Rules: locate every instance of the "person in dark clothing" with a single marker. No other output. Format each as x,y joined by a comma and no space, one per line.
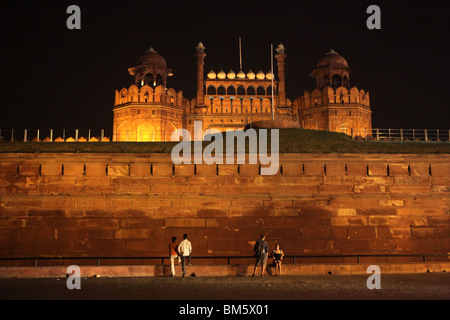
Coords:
261,249
277,255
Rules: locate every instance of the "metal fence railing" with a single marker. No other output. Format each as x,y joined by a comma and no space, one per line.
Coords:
234,260
410,134
88,135
51,135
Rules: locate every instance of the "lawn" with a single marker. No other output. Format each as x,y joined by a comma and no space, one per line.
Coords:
290,141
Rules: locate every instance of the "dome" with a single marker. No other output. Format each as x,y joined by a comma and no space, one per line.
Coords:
152,58
251,75
241,75
211,75
269,75
231,75
260,75
332,58
221,75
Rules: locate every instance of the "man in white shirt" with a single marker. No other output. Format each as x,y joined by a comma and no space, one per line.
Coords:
185,249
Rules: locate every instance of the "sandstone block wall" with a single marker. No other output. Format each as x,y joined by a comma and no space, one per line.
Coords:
132,204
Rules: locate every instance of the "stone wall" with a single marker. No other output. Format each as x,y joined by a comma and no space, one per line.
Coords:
132,204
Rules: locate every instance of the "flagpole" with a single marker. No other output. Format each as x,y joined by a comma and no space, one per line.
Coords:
240,54
271,62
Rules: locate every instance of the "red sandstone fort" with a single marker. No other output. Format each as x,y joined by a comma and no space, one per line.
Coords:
149,111
94,205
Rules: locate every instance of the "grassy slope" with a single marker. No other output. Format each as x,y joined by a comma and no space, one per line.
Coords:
291,141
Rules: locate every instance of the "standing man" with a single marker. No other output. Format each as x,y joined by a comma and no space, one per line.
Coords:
185,249
261,249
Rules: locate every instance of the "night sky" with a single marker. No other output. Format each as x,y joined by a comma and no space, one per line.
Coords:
52,77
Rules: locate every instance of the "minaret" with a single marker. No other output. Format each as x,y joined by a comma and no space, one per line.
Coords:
281,57
200,57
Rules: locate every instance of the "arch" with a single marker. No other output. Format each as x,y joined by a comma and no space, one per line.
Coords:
269,90
169,129
149,79
346,82
146,94
145,132
336,81
133,89
172,96
241,90
342,95
251,91
354,95
211,90
226,105
265,104
231,91
121,133
159,80
328,95
216,105
260,91
221,90
236,105
123,96
246,105
256,105
316,97
326,81
160,94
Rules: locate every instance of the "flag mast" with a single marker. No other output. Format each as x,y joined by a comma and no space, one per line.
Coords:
271,76
240,54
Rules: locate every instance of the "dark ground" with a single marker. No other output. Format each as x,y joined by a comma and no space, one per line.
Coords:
393,287
286,297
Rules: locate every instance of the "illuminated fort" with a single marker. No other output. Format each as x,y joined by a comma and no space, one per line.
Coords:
150,111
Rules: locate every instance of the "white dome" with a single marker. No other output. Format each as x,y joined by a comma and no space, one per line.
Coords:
231,75
269,75
221,75
260,75
241,75
251,75
211,75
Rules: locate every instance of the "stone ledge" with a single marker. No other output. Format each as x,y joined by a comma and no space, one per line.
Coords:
220,270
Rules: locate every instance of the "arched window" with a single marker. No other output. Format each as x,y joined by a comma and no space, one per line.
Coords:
211,91
250,91
336,81
241,91
269,91
346,82
148,79
231,91
221,91
260,91
326,81
159,80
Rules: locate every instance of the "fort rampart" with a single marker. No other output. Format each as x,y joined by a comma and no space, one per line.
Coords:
116,204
